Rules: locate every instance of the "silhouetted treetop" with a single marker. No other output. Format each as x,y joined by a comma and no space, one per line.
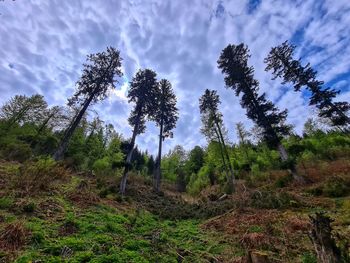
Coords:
99,75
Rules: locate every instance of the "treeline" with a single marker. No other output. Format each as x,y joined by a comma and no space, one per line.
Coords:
30,128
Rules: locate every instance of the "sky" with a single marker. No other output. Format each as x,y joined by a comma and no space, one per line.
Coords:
43,44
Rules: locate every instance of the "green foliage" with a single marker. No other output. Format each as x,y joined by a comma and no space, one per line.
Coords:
272,200
335,187
39,175
283,181
199,181
5,202
308,258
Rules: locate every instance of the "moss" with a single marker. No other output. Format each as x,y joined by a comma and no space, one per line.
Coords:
6,202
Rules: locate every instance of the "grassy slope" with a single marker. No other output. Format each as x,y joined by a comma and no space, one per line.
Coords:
80,221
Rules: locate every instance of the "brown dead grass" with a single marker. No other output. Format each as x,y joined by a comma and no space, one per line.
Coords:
320,171
14,236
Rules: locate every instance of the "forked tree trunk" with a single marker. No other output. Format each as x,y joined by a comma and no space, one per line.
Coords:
127,166
321,237
158,172
58,155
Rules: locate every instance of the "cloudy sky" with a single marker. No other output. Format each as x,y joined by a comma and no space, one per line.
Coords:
43,44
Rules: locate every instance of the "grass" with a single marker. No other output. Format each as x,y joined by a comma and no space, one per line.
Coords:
91,226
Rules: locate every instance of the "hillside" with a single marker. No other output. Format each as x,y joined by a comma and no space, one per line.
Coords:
78,217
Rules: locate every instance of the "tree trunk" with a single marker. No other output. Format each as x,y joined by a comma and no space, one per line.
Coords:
292,170
321,237
158,172
127,166
229,181
58,155
232,177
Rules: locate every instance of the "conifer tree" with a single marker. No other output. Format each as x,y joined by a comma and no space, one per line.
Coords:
282,64
233,63
165,116
98,77
21,108
142,92
212,126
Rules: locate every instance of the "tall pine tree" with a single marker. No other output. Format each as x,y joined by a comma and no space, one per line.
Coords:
142,92
282,64
98,77
233,63
165,116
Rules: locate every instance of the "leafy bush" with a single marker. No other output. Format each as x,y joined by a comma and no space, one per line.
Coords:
272,200
308,258
17,151
199,182
5,202
29,208
102,166
283,181
39,175
335,187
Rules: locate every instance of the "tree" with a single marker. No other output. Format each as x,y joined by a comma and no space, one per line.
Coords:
98,77
195,160
53,117
142,92
165,116
21,108
150,165
233,63
212,126
243,136
282,64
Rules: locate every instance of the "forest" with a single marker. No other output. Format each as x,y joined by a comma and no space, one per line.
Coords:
73,189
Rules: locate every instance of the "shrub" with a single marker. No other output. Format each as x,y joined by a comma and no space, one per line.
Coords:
335,187
102,166
199,182
272,200
283,181
39,176
17,151
29,208
308,258
5,202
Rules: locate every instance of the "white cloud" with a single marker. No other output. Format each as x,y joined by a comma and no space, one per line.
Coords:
46,42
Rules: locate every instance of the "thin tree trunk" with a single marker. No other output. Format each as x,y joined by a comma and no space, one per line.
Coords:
232,178
127,166
42,127
158,172
229,181
58,155
292,170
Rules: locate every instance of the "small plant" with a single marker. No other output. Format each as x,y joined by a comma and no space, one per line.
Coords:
29,208
39,176
283,181
273,200
5,202
255,229
335,187
308,258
